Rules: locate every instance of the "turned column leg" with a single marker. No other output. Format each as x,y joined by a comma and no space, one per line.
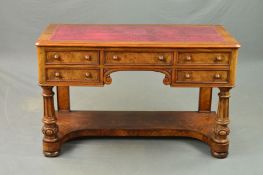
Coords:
205,99
50,128
63,98
221,131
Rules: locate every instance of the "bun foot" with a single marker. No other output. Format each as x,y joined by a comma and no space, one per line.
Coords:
51,154
219,155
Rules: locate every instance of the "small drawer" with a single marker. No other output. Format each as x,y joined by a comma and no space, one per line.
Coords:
82,75
203,58
74,57
196,76
138,58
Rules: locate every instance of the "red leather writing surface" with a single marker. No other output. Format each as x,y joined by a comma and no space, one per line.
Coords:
169,33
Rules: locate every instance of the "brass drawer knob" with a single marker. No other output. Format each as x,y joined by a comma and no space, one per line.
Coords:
88,75
57,75
219,58
87,57
115,57
187,76
56,56
188,58
217,76
161,58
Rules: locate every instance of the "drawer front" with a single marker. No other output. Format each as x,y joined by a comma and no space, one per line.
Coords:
203,58
194,76
75,57
138,58
83,75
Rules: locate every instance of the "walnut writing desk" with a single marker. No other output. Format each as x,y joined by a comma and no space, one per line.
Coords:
201,56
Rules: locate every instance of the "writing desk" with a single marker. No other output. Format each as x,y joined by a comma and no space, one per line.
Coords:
200,56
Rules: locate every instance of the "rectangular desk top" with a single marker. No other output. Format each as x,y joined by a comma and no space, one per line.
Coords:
139,35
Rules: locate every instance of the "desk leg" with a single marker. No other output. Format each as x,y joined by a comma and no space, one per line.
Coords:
205,99
221,130
63,98
50,128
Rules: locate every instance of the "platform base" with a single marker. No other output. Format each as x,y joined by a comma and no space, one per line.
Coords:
77,124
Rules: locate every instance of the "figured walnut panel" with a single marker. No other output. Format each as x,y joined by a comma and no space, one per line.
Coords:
138,58
194,76
81,75
73,57
203,58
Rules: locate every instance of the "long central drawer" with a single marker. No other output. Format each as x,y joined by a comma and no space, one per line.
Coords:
138,58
